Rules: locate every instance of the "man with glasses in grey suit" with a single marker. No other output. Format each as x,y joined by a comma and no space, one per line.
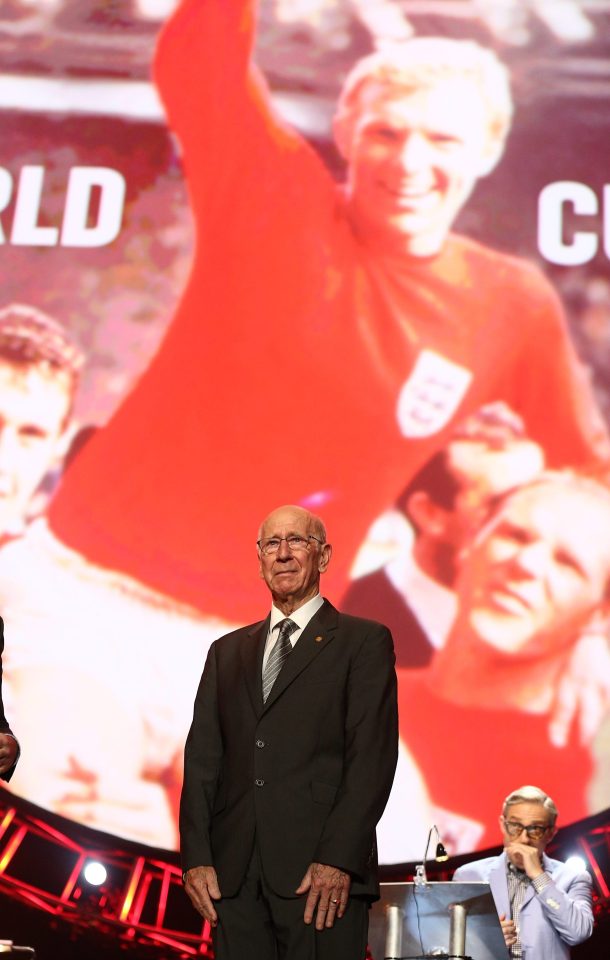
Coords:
544,905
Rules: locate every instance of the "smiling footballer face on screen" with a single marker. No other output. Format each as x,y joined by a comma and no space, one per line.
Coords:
539,569
417,132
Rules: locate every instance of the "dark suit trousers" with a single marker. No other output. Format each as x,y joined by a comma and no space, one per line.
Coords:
256,924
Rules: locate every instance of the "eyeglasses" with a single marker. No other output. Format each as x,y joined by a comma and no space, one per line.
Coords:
271,545
534,830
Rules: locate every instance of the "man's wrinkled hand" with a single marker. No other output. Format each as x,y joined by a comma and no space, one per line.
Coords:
509,930
327,890
201,884
524,857
8,752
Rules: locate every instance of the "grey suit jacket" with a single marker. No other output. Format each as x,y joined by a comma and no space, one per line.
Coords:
308,772
550,922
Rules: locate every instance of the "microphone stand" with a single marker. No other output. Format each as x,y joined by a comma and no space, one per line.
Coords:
421,877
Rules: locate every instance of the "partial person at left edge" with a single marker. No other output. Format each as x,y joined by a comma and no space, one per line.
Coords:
9,748
39,368
39,373
289,764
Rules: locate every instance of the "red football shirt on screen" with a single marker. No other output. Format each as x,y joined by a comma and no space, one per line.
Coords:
300,367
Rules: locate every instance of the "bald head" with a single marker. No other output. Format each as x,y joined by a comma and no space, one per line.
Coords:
315,525
293,553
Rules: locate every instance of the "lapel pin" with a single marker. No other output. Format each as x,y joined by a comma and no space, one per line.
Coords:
319,639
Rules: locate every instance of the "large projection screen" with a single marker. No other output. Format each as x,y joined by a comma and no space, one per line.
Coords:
395,312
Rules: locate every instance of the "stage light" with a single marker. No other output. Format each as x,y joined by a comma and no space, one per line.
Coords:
95,873
577,863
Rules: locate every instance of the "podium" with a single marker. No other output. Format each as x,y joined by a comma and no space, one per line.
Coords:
417,920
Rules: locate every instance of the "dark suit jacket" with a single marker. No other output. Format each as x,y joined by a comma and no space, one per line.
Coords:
309,772
4,727
376,594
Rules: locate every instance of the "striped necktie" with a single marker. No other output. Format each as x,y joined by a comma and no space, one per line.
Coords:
279,653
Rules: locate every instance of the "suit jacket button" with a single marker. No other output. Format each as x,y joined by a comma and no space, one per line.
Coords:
260,783
260,744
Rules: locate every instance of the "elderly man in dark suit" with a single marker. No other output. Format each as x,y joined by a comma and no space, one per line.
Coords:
9,748
288,765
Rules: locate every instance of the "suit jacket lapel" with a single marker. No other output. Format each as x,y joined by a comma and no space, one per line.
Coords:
252,650
318,633
499,885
